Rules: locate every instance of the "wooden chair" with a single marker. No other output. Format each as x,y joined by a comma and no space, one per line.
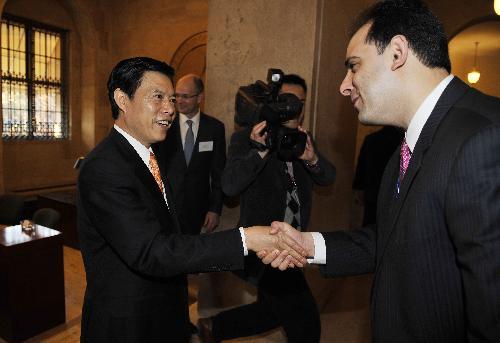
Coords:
47,217
11,209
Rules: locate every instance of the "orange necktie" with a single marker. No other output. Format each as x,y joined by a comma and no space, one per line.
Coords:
153,164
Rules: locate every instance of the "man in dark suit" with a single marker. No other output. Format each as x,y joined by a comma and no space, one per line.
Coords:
272,189
435,249
194,153
134,254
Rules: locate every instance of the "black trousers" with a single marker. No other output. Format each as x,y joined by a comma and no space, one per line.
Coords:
283,299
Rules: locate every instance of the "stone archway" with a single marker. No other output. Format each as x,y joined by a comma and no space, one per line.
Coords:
485,31
190,56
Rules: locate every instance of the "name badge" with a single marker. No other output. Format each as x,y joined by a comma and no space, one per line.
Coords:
206,146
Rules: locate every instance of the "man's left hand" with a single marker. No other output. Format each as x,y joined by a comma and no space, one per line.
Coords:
309,156
211,221
259,239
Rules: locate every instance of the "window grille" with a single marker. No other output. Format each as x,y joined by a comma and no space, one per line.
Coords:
33,93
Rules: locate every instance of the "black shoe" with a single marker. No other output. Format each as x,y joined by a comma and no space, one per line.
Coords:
205,330
193,330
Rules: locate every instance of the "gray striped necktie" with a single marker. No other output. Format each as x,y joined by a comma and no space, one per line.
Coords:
189,142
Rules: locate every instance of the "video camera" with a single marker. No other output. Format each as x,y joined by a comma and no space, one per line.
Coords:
260,101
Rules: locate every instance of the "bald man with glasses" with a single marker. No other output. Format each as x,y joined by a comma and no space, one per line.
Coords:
195,154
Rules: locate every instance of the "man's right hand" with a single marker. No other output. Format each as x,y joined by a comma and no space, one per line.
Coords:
279,259
257,136
259,239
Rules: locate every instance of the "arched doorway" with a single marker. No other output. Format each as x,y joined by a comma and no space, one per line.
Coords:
462,46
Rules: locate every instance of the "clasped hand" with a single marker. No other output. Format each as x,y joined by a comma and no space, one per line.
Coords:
281,245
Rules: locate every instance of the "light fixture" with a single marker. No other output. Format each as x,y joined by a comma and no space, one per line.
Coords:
496,6
474,75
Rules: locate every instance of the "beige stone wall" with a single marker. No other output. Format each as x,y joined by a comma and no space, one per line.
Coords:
245,38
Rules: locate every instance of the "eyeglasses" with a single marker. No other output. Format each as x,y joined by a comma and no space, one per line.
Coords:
186,96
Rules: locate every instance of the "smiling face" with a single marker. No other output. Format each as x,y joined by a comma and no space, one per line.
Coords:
188,97
148,114
369,81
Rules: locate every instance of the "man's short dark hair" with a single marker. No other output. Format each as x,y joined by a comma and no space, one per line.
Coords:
295,79
412,19
127,75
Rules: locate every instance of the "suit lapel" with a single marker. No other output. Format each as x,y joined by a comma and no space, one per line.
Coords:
455,89
140,169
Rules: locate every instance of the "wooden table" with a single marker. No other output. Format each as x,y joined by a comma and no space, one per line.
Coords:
31,282
65,203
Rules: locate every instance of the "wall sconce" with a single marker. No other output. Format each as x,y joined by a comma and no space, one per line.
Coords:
474,75
496,6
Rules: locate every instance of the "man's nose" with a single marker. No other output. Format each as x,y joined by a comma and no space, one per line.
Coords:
346,85
168,107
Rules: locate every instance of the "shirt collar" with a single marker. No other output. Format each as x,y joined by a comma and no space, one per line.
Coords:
424,111
138,147
195,119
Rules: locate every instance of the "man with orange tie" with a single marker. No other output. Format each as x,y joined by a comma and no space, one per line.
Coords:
134,254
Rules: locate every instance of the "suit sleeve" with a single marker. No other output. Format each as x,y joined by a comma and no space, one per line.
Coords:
113,202
216,168
243,165
349,252
473,216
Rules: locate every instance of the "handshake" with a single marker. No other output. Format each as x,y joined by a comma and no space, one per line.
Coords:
280,245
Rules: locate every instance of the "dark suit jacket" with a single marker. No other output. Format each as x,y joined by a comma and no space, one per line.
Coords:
375,153
196,188
435,249
262,185
135,259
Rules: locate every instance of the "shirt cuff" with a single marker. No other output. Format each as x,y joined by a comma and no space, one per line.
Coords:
243,240
319,249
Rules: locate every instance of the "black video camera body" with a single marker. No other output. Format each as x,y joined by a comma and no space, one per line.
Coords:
260,101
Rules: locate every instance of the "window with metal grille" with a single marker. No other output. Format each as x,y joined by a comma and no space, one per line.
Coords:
33,93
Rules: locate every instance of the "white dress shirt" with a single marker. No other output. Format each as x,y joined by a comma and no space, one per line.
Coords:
424,111
412,133
142,151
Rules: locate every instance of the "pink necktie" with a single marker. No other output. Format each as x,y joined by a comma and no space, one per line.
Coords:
404,160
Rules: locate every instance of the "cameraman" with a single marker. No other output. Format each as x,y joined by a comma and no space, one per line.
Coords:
271,189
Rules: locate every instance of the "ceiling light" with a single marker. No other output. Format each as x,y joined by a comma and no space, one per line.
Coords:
474,75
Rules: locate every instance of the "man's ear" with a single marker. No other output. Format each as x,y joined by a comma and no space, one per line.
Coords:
201,96
120,99
399,51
